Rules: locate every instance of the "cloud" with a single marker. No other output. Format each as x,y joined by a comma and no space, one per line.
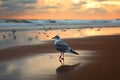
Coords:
117,11
46,9
105,0
27,1
20,1
90,11
50,7
96,11
16,7
78,5
43,12
53,6
112,3
100,0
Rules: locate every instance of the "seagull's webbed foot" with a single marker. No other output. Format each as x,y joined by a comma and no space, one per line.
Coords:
62,58
61,61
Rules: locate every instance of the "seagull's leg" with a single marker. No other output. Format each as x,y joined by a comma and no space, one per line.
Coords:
60,56
60,61
63,59
63,56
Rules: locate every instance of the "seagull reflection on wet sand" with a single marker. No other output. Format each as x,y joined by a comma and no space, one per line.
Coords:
99,55
64,69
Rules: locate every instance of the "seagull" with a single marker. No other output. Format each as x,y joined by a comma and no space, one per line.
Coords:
62,47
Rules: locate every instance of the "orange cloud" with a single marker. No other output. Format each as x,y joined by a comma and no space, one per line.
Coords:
59,9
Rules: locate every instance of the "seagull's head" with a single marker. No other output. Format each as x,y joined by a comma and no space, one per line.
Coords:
56,37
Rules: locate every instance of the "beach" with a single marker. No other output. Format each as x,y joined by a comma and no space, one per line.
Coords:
105,66
35,57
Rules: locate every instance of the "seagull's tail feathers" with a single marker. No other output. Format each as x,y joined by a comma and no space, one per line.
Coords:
74,52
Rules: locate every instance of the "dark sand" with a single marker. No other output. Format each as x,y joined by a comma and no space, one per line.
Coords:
106,66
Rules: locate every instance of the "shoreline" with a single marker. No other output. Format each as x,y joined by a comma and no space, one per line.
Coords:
18,38
95,43
104,66
54,27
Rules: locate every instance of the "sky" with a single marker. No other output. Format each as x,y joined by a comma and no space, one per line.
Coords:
60,9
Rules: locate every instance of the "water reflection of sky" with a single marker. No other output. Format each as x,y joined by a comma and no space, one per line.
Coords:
11,38
19,38
41,66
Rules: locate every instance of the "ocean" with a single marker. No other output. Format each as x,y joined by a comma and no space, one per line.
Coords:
31,32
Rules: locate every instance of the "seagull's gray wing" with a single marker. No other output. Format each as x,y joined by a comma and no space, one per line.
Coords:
62,46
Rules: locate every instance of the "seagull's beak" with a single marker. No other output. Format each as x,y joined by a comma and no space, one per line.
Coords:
53,37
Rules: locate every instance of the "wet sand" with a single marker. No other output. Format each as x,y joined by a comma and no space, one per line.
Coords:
104,66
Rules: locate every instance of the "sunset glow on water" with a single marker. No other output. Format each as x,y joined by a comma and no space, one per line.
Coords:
91,28
40,66
36,36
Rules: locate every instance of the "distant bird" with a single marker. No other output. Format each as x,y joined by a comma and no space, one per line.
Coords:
13,32
63,30
30,39
98,29
62,47
4,36
47,35
14,37
36,37
38,32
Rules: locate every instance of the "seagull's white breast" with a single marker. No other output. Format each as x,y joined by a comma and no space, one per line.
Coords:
57,40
